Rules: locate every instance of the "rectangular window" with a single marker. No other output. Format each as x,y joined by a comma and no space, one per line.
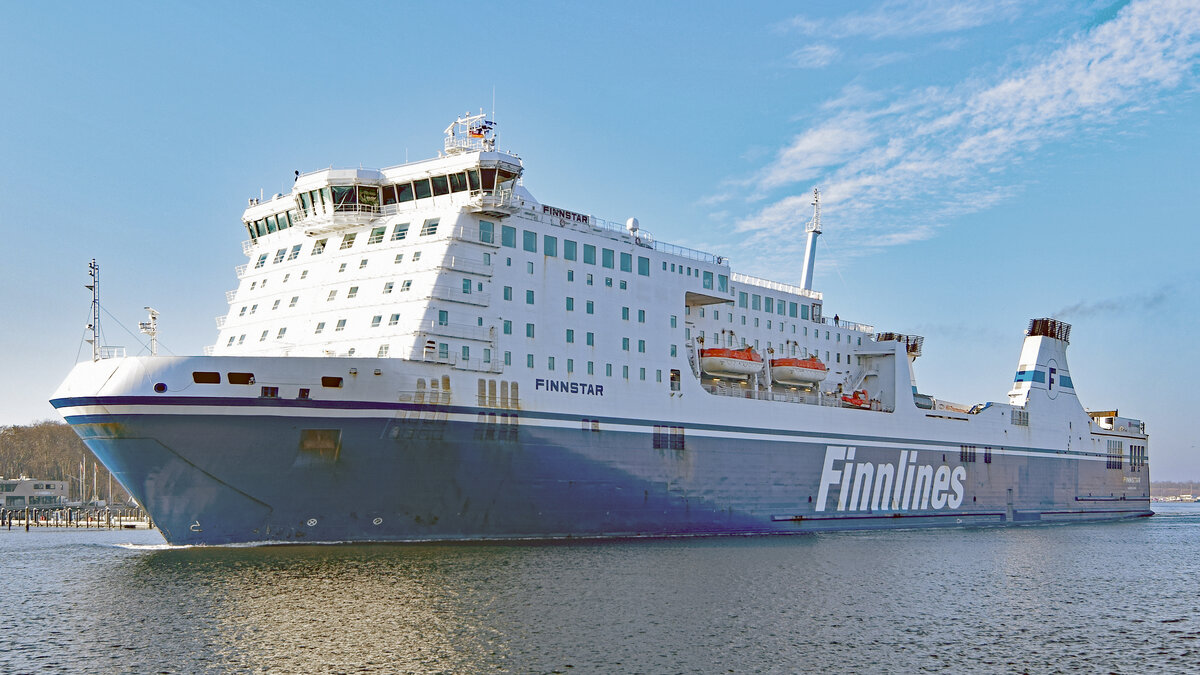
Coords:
529,241
332,296
644,266
387,287
404,192
400,231
608,370
607,258
589,254
508,292
742,300
570,304
393,319
348,241
570,336
508,358
466,286
529,297
376,320
625,372
466,352
295,252
642,346
294,300
458,182
570,365
591,307
353,292
529,330
421,189
443,350
405,285
550,245
443,317
624,344
708,280
320,327
642,316
804,312
569,249
591,339
626,262
529,360
430,227
319,246
723,283
341,325
279,255
440,185
674,322
508,236
376,235
755,301
550,363
508,327
487,232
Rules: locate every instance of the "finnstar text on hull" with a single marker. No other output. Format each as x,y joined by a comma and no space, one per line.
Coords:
428,352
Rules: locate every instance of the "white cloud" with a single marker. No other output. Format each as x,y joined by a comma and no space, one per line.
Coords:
893,172
814,56
910,18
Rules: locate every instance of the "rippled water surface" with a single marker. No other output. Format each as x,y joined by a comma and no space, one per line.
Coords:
1117,597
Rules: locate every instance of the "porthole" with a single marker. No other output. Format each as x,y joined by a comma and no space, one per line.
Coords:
160,387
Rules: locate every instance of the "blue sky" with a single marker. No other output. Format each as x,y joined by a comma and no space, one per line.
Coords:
981,163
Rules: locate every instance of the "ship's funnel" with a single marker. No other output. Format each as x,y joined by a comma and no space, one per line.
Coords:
1042,369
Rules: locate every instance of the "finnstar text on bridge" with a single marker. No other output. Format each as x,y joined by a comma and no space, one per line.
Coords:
427,352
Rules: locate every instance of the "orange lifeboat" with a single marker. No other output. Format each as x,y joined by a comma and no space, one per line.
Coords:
798,371
723,362
857,399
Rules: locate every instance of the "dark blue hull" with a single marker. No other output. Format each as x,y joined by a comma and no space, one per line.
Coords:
223,479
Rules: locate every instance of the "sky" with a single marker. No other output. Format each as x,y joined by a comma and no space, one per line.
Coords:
981,164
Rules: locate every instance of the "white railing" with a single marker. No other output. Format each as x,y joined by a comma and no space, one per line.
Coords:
240,270
458,330
831,401
112,352
221,322
848,325
480,365
230,295
247,247
740,278
456,264
208,350
455,294
689,253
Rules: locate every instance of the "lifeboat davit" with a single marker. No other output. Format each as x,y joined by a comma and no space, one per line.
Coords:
723,362
798,371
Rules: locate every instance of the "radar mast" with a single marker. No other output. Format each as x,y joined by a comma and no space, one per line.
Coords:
471,133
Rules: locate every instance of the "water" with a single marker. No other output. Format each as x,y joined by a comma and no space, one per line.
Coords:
1116,597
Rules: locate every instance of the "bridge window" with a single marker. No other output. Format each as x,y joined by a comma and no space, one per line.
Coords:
440,186
421,188
458,182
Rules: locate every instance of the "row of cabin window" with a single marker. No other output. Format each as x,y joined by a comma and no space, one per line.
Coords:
551,364
706,279
270,224
399,232
570,249
776,306
816,331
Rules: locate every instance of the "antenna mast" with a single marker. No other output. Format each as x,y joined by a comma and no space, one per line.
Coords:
810,252
151,328
94,326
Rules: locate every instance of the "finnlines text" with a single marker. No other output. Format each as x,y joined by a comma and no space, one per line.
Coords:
903,486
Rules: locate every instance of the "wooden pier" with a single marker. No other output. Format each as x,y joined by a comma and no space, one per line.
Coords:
75,518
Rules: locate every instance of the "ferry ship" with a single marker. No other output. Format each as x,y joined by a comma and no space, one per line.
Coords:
428,352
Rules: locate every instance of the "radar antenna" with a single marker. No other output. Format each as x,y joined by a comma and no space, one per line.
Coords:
471,133
94,326
151,328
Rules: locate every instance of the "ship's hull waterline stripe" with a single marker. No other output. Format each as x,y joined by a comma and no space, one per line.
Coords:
100,409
